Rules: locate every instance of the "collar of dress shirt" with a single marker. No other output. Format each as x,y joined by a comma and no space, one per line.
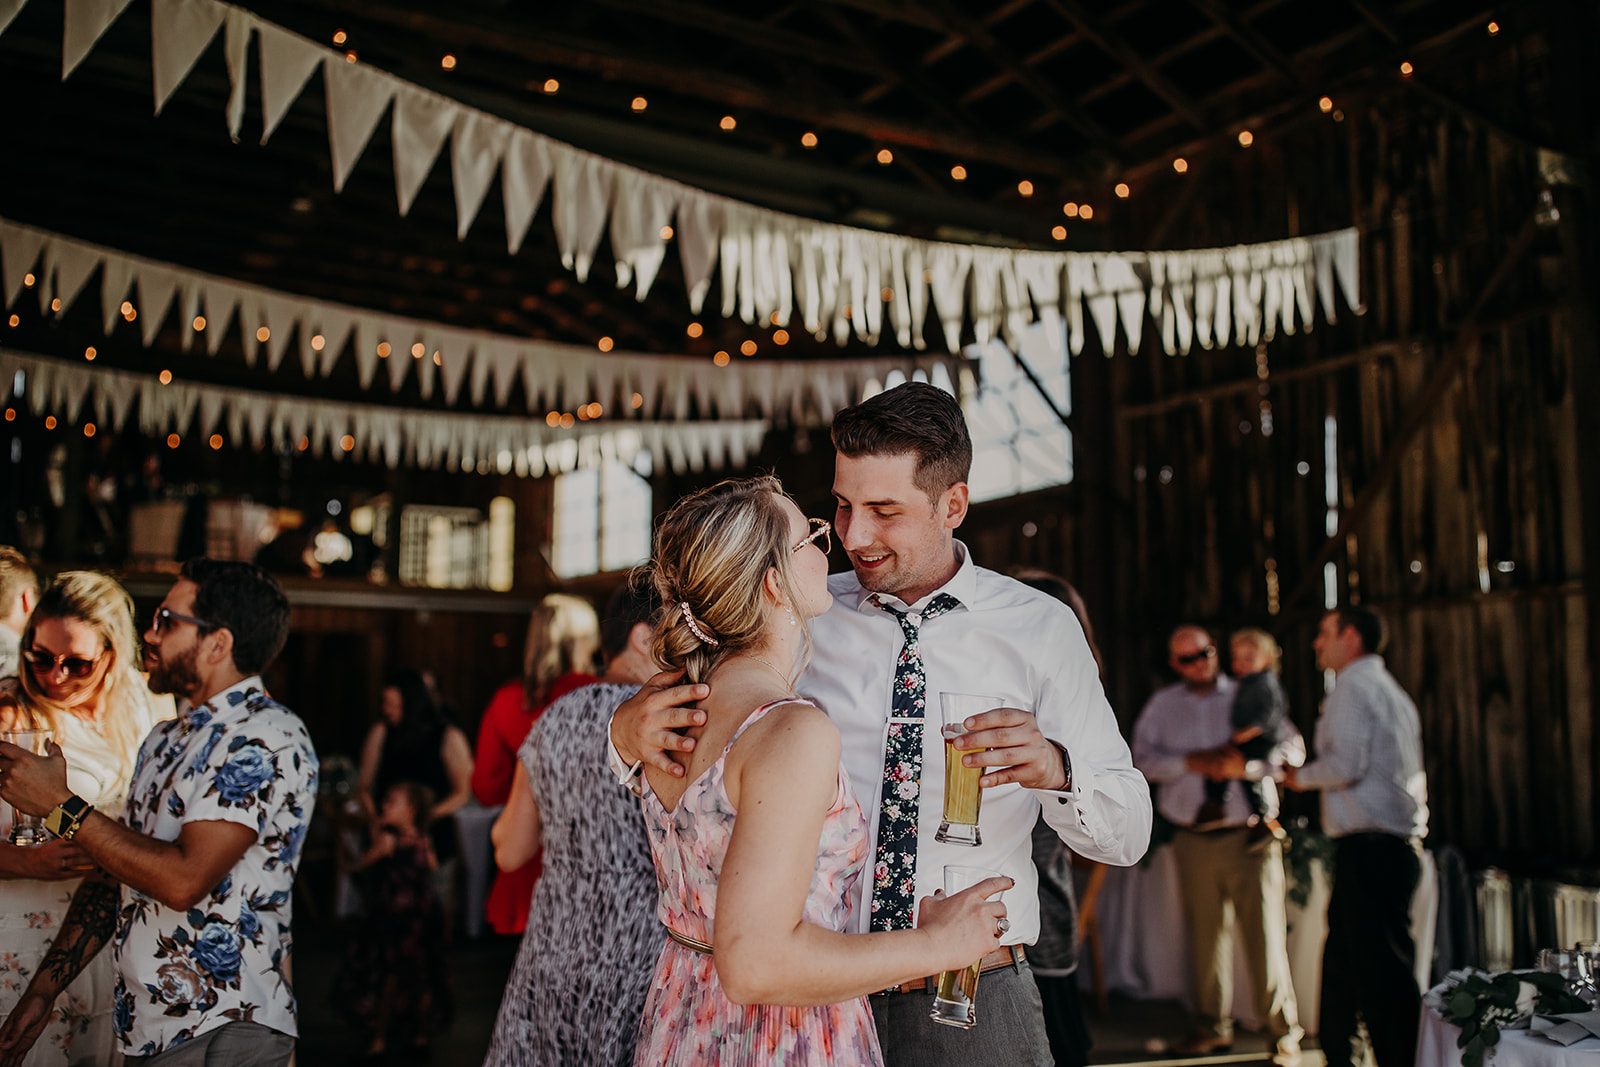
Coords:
1363,664
220,702
963,586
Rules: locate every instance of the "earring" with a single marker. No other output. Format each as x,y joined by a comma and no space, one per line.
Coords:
791,615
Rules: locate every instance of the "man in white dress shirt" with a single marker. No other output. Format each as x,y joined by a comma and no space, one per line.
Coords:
19,592
1052,740
1375,807
1233,880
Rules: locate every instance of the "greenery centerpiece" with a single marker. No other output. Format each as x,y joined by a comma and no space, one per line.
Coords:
1484,1004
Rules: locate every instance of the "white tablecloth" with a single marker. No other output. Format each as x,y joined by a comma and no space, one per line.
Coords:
1146,951
1436,1047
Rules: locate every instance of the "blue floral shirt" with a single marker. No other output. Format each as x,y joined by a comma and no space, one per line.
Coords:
240,757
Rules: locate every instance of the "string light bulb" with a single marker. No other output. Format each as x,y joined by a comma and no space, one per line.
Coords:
448,62
165,377
173,440
1406,69
1494,29
748,348
215,441
200,324
728,122
1326,104
1085,211
14,321
666,233
1180,165
340,37
1246,138
885,157
318,342
263,334
1025,187
605,344
958,173
721,359
780,337
28,280
89,353
49,422
808,140
694,329
350,56
419,350
384,350
1059,232
1070,210
551,86
1122,190
640,103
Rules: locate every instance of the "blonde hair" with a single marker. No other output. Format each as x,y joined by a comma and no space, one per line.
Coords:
563,637
1265,642
98,602
712,552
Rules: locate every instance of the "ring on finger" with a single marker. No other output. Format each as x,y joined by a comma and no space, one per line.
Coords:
1001,925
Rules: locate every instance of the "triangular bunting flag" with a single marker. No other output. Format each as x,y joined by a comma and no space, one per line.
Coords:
357,96
475,152
287,62
522,181
156,288
422,120
180,30
85,20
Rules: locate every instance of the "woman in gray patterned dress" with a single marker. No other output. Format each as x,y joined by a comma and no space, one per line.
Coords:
578,988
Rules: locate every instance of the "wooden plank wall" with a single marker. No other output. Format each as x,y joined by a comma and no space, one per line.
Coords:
1187,510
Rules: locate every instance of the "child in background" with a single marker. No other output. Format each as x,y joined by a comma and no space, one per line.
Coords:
396,980
1260,710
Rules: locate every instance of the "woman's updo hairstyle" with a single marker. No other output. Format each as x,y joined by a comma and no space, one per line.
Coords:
712,552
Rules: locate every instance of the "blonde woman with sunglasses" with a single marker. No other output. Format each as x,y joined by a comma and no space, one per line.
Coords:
79,679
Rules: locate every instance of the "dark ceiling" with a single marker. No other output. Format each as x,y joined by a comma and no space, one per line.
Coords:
1061,97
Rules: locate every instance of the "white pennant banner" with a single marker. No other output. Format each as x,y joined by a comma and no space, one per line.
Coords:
391,436
554,376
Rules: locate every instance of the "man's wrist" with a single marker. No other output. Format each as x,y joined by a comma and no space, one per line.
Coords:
1066,767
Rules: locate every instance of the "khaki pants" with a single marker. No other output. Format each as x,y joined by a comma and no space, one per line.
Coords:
1234,886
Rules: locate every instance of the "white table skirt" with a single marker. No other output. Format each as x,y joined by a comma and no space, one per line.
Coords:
1436,1047
1146,951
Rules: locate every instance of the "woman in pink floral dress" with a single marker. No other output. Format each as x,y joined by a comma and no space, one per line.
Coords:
758,843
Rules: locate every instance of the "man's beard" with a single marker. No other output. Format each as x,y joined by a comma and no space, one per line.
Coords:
179,676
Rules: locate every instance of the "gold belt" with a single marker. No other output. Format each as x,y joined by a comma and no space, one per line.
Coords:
688,942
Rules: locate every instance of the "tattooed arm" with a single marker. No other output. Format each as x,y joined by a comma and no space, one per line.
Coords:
89,924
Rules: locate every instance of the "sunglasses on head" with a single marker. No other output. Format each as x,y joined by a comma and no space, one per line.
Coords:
165,617
75,666
819,528
1195,657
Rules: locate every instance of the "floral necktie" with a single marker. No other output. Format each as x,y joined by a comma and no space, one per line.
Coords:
895,870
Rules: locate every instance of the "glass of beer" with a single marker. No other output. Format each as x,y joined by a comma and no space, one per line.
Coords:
27,830
955,1000
961,792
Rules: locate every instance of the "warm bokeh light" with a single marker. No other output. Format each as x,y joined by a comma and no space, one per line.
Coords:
89,353
318,342
666,233
49,422
350,56
551,85
384,349
1180,165
1121,190
419,350
567,420
721,359
340,37
1025,187
728,122
165,377
605,344
694,329
808,139
1326,104
1070,210
1085,211
173,440
640,103
200,324
553,419
637,400
958,173
88,429
303,444
448,62
1494,28
885,156
263,333
347,443
1246,138
14,321
438,359
1406,69
595,410
780,337
748,348
28,280
215,442
11,414
1058,232
55,304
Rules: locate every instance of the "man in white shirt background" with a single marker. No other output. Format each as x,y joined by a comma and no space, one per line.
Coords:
19,591
1233,880
917,617
1375,807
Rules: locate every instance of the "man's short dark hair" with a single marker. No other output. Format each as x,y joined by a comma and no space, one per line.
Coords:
917,419
16,577
247,602
1368,623
635,602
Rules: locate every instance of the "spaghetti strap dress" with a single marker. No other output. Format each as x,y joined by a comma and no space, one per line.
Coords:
687,1018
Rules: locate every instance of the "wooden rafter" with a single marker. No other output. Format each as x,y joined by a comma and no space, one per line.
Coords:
1111,42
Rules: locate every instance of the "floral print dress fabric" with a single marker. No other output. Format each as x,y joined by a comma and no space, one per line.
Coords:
687,1018
242,758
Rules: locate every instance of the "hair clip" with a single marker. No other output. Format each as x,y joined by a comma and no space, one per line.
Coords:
694,628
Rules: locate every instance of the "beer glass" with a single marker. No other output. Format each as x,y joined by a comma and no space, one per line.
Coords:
27,830
955,1000
961,793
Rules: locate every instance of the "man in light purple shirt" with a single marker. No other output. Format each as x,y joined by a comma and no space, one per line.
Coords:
1233,880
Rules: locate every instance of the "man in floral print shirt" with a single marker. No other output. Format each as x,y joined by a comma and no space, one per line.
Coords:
207,849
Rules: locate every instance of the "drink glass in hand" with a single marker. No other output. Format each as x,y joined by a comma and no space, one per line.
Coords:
955,1000
27,830
962,796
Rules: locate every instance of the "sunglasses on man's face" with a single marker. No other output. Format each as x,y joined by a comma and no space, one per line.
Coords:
1195,657
166,617
44,663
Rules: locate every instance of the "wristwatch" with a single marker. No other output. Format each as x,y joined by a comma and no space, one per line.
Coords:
65,818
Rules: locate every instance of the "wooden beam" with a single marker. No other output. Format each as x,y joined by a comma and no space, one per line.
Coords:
769,39
1251,41
1417,416
1109,41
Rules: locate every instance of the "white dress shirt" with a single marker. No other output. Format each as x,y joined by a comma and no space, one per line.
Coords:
1009,641
1369,756
1177,721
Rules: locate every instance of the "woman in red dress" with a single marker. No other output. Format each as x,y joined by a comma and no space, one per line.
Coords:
563,639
